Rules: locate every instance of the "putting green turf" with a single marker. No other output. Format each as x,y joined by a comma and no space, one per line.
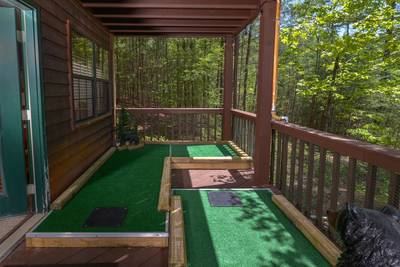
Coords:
256,234
128,179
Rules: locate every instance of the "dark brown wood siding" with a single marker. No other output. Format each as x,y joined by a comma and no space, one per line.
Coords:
71,148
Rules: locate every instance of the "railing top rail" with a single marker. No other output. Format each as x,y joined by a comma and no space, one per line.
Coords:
380,156
244,114
174,110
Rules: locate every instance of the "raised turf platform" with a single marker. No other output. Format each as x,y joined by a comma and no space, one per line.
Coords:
254,234
129,179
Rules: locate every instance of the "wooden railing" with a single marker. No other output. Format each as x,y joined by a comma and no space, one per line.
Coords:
162,124
318,171
244,130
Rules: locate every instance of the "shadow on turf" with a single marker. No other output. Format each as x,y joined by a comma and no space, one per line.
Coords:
276,227
196,228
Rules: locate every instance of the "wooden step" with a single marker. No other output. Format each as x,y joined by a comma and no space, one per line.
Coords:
177,249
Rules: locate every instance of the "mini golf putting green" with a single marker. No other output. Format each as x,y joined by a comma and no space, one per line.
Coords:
129,179
255,234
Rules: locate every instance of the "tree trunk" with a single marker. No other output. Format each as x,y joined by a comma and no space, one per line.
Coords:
246,70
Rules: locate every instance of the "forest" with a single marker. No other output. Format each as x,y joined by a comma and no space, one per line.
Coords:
169,72
339,69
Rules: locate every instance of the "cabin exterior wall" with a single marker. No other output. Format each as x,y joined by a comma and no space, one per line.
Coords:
72,148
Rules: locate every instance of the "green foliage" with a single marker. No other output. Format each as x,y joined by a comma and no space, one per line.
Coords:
247,67
339,67
169,72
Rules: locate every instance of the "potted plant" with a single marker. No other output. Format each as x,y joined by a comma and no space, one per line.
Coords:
127,130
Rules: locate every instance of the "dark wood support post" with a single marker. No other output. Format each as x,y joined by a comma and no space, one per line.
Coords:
228,88
266,63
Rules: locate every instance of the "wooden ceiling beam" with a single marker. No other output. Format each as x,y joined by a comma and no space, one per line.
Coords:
169,5
174,16
173,34
174,30
160,16
171,22
199,14
186,25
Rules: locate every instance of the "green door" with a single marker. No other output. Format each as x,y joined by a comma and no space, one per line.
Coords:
13,195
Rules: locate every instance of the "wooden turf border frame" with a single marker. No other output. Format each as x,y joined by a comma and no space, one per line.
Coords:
243,161
165,188
231,144
74,188
321,243
325,246
71,240
211,163
177,244
133,239
97,239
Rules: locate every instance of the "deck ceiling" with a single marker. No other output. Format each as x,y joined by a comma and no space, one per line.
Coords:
174,17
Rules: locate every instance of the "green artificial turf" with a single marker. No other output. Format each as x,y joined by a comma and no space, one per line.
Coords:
128,179
218,150
256,234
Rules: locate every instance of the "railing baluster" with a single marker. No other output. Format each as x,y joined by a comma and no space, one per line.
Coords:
335,182
215,126
208,127
351,184
310,178
172,126
321,186
292,168
300,172
241,133
152,128
371,186
278,182
284,163
251,150
245,137
394,190
143,123
179,126
187,125
272,164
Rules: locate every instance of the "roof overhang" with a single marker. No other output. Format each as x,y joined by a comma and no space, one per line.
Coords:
174,17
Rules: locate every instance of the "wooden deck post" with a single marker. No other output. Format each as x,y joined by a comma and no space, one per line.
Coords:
266,63
228,88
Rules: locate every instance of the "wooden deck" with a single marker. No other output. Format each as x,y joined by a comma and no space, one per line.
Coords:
23,256
212,178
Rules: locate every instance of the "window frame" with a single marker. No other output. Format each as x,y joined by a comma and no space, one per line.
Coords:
94,79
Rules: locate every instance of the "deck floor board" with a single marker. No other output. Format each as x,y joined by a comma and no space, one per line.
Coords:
212,178
123,256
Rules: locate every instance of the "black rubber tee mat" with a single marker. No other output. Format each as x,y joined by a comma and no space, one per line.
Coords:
106,217
224,199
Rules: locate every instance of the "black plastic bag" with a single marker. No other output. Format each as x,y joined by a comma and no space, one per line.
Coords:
370,237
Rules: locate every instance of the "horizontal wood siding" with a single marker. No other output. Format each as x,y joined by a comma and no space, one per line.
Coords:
71,150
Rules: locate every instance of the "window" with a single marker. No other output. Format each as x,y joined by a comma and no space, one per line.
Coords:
102,85
90,78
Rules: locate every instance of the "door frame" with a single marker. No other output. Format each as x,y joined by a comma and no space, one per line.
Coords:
38,160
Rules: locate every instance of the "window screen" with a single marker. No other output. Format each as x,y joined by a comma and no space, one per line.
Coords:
90,78
102,82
